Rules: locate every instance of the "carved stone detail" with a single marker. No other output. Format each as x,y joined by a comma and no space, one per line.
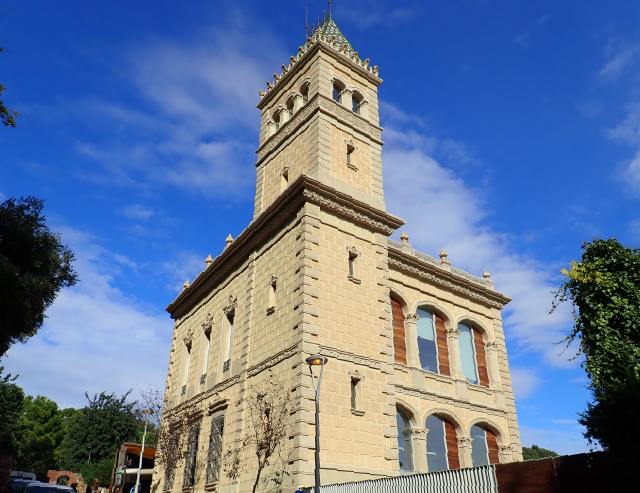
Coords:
207,324
353,251
419,433
505,449
447,400
455,333
347,212
230,306
188,339
356,375
437,280
464,442
273,280
491,345
412,318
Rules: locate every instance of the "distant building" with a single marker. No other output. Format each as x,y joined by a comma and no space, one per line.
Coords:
417,379
126,464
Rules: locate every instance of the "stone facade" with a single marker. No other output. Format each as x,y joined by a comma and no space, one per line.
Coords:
314,272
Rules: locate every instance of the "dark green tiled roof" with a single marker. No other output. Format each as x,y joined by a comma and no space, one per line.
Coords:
331,30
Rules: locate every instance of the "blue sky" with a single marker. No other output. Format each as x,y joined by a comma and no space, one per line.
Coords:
512,134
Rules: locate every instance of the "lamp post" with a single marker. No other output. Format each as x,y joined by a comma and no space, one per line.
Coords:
317,360
146,412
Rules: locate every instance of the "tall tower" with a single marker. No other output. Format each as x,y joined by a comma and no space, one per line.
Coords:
415,346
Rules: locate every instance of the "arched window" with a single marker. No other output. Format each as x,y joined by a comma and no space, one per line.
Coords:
484,447
442,444
472,355
405,452
357,103
305,93
290,108
276,120
432,342
337,92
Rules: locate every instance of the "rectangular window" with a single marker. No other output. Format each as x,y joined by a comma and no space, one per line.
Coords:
186,372
230,342
214,458
207,335
352,266
190,458
354,393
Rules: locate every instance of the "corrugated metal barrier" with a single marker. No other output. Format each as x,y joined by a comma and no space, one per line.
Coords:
472,480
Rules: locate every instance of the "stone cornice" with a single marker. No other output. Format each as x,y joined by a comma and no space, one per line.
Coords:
415,267
323,104
270,221
432,396
307,55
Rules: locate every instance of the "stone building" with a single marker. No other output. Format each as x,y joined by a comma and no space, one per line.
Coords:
417,378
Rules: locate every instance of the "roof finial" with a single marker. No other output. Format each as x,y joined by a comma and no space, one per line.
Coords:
330,2
404,237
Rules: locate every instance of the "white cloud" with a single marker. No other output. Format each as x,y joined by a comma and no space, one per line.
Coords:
628,131
443,211
619,57
525,381
185,266
368,13
523,39
137,211
95,337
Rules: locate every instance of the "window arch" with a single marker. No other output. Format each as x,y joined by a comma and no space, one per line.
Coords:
399,337
405,449
442,444
290,108
472,355
304,92
432,342
338,89
484,447
276,119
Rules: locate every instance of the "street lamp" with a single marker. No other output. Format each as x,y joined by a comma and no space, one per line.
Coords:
317,360
146,412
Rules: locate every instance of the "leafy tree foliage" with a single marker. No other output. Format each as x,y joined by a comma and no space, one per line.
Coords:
101,470
604,288
11,402
536,452
34,266
97,430
7,116
45,427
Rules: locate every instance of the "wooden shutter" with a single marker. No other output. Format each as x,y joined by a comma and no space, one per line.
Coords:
481,359
452,445
443,348
492,446
399,340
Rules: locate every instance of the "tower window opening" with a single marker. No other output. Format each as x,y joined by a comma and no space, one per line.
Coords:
352,266
350,150
276,120
354,393
305,93
337,93
207,335
273,283
290,108
357,104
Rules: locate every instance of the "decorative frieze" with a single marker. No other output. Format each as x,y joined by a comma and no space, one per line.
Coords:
447,400
230,306
353,358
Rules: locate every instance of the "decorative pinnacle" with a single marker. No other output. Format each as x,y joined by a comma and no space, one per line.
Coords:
209,260
443,254
404,237
229,240
186,284
486,274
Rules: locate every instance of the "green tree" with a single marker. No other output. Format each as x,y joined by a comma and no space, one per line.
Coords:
7,116
536,452
11,402
97,430
45,427
101,469
34,266
604,288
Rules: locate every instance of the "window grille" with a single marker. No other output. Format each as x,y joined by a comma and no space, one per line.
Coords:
190,459
214,459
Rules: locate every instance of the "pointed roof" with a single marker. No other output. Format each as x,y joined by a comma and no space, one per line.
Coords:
331,30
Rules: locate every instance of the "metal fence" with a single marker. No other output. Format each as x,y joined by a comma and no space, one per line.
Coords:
472,480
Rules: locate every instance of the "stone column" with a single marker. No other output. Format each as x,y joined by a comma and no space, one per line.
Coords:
346,99
297,103
464,451
418,447
491,350
411,339
453,336
364,109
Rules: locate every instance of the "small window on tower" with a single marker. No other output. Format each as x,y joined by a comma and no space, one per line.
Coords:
290,108
276,120
337,93
357,104
350,150
305,93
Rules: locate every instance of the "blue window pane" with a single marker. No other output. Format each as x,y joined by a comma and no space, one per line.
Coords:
337,94
467,354
427,341
404,443
436,446
479,449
